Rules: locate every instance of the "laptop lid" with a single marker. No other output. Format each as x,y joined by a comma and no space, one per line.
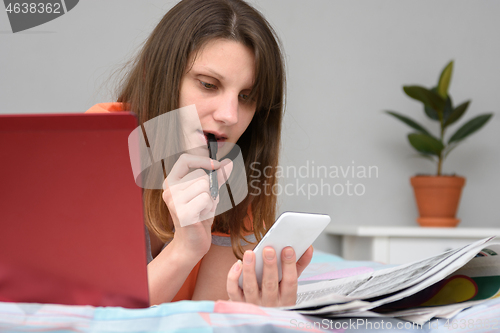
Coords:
71,229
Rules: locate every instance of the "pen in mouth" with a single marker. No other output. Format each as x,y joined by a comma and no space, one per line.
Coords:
212,150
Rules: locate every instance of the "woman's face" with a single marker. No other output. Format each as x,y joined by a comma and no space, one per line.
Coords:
218,84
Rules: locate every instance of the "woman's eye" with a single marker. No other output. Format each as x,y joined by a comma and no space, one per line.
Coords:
208,85
244,97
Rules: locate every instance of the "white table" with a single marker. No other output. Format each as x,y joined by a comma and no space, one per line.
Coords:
398,245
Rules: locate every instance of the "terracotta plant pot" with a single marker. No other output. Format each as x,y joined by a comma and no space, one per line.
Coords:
437,199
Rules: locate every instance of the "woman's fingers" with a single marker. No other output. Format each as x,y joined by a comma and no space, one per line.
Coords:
187,192
270,284
187,162
190,200
223,170
250,287
288,285
233,289
198,209
271,292
304,260
187,180
196,187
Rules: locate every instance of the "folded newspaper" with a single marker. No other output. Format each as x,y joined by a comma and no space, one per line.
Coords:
440,286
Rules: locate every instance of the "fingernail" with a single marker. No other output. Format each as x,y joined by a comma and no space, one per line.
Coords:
288,253
237,266
268,254
247,257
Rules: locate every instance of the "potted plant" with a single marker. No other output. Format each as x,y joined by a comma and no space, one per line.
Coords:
438,195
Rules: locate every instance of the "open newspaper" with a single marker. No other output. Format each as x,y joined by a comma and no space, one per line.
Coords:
440,286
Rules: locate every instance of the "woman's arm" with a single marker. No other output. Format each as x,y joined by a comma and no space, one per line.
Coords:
188,201
167,273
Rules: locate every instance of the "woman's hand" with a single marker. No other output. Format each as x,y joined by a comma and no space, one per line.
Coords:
272,293
187,196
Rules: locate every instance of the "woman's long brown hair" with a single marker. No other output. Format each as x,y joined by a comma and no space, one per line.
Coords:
152,86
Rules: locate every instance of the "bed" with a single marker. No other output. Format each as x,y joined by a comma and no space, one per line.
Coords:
220,316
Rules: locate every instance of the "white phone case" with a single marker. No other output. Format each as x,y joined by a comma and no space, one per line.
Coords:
298,230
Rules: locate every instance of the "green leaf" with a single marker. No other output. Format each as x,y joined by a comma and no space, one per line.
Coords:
409,122
431,113
457,113
448,108
470,127
449,148
426,96
425,144
444,80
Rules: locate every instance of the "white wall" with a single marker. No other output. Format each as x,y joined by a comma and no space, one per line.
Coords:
347,61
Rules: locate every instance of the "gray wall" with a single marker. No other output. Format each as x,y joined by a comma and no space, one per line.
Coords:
347,61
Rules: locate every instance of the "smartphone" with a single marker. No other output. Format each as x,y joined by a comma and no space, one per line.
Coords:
298,230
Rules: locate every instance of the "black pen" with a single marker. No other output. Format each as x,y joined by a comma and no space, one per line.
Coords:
212,151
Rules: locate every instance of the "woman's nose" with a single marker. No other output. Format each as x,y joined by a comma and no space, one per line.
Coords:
227,110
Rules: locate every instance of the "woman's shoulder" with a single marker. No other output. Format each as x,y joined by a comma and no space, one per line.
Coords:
107,107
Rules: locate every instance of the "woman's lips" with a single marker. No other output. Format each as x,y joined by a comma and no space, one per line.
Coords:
220,140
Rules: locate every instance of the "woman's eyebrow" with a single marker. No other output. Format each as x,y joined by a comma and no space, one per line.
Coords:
218,76
202,71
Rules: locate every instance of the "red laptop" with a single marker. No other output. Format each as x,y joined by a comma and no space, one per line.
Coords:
71,217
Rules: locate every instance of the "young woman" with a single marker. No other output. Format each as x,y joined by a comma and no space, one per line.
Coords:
223,57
